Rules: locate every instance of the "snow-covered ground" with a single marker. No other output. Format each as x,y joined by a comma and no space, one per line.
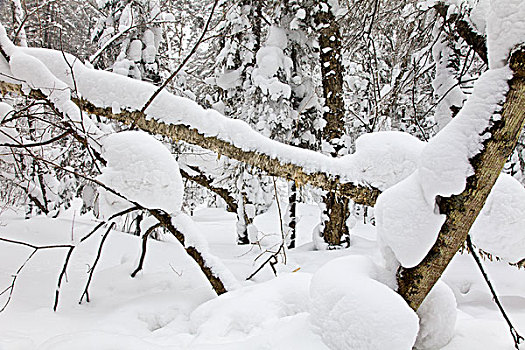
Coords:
169,305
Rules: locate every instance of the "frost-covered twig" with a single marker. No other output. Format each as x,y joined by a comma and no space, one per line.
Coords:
92,268
515,335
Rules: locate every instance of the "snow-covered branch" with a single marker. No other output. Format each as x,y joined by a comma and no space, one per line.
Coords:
44,74
460,208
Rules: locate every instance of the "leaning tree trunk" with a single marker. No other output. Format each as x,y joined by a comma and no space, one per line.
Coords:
461,210
335,206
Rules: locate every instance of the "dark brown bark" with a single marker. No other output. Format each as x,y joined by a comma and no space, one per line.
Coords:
463,28
336,231
332,75
461,210
204,181
165,220
336,207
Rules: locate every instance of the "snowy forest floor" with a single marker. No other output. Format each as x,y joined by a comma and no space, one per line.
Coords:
169,304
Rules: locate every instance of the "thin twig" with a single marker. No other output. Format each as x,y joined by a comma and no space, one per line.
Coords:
272,259
92,269
35,249
515,335
183,63
280,219
15,276
62,274
144,246
95,229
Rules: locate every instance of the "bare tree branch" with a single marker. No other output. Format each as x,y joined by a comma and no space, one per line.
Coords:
92,268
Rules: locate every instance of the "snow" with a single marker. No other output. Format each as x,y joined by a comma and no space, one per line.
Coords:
437,318
444,163
498,228
141,169
169,305
445,85
505,29
406,221
104,89
193,238
269,60
384,158
358,312
407,216
36,75
338,300
245,311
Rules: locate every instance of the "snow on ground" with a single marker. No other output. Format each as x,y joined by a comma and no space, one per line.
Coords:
169,305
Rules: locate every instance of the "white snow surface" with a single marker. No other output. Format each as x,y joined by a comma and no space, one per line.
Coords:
384,157
246,310
505,29
357,311
269,60
499,227
437,318
141,169
194,238
170,305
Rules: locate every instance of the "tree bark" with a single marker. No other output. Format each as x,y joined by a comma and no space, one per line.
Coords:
465,31
204,181
291,215
336,207
461,210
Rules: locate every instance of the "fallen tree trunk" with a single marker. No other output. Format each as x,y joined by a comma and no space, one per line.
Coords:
178,132
461,210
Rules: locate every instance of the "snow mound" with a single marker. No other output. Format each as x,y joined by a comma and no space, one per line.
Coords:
505,29
437,318
141,169
245,310
498,229
352,310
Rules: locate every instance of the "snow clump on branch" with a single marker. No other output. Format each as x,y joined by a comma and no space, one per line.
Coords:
141,169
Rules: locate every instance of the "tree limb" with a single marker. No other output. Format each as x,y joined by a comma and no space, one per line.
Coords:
366,195
461,210
204,181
